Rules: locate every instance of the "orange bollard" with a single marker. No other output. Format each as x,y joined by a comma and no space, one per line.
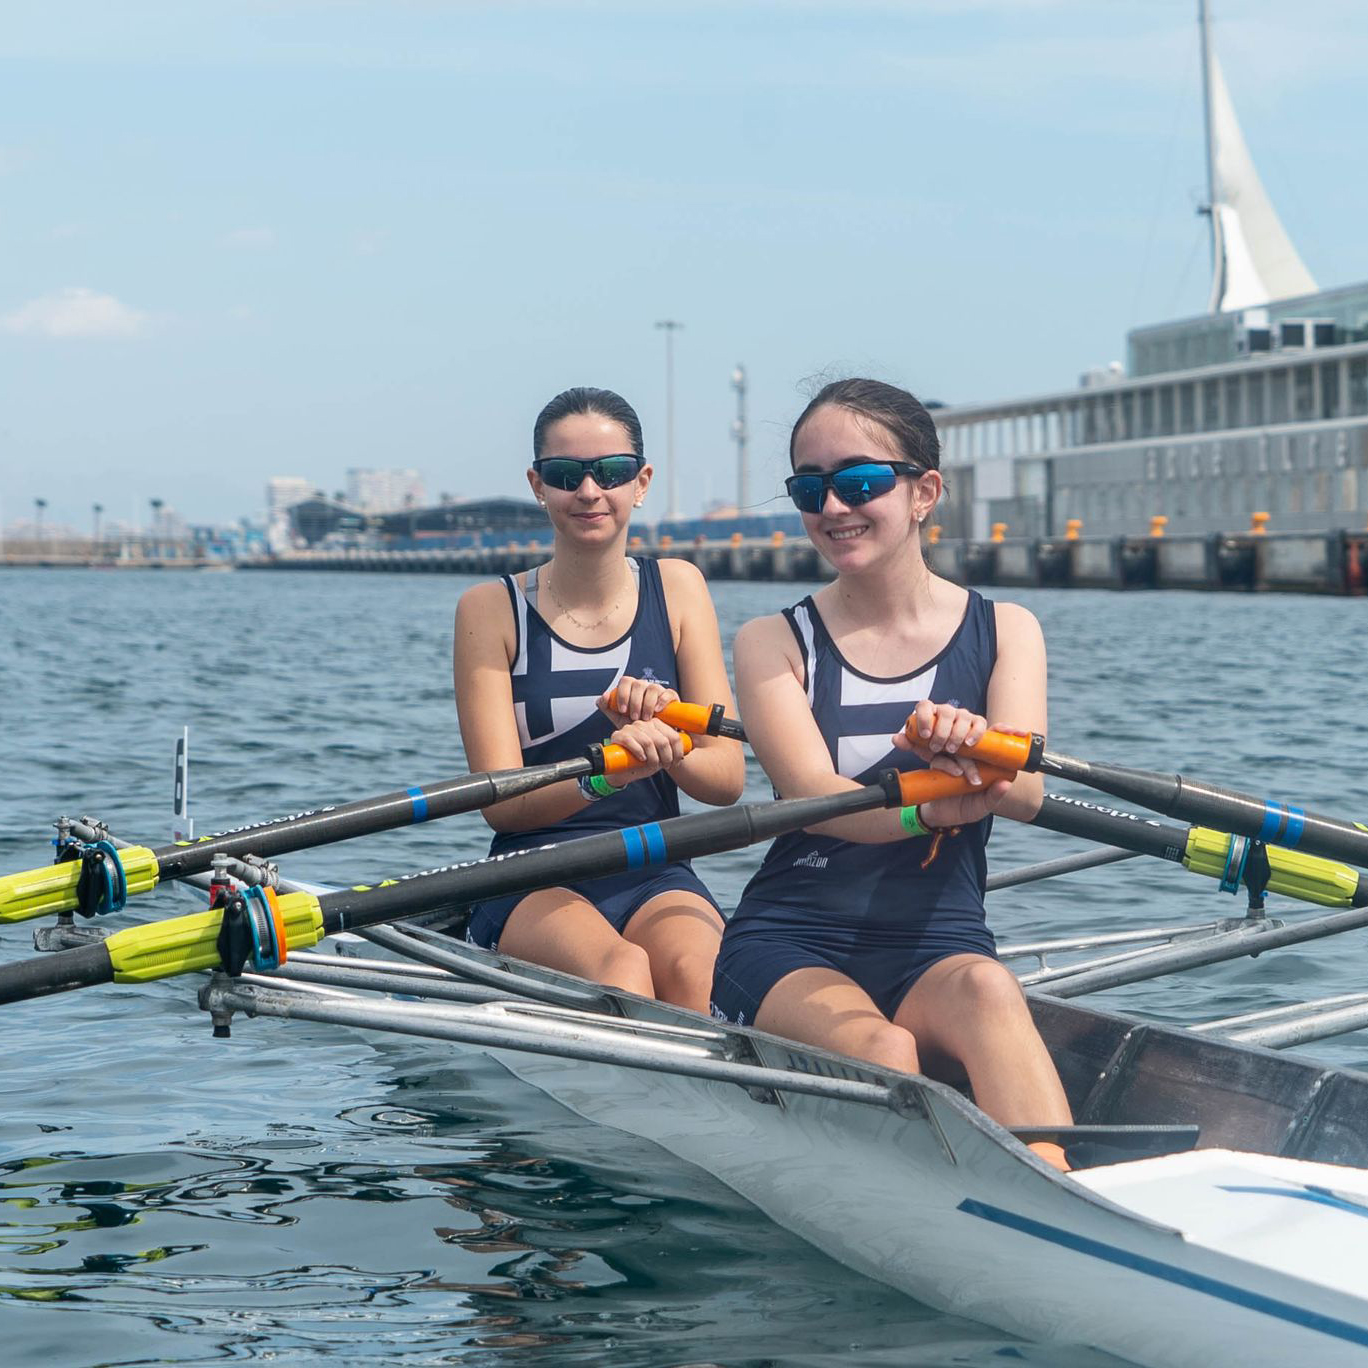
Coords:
999,532
933,533
1157,525
1258,524
1073,529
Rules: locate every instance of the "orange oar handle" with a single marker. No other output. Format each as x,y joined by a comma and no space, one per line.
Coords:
922,786
702,719
1007,750
617,759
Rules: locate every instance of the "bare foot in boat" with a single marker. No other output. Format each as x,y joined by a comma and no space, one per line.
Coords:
1051,1153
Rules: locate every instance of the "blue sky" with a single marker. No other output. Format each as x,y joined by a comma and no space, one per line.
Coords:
247,239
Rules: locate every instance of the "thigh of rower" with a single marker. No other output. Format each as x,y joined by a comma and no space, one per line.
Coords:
823,1007
562,930
675,920
945,1008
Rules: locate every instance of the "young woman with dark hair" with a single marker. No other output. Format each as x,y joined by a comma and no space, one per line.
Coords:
867,934
538,657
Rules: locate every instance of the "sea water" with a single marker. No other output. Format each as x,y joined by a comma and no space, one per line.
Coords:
300,1193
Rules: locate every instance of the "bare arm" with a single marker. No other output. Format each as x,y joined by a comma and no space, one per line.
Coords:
784,734
1016,702
1016,697
715,771
484,705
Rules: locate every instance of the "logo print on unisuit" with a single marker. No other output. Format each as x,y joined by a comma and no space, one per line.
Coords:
812,860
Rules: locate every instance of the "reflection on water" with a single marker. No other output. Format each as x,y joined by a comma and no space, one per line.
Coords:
299,1193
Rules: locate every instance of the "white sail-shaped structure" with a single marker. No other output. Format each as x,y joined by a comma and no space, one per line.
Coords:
1253,259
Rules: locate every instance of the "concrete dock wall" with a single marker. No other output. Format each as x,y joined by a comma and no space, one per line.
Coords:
1333,562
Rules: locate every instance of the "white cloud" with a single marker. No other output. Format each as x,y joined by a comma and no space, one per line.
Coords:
250,239
75,312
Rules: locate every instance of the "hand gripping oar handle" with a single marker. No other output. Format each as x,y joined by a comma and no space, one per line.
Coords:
702,719
1008,750
54,888
185,944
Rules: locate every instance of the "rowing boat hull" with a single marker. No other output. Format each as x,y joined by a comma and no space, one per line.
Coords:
942,1204
1253,1250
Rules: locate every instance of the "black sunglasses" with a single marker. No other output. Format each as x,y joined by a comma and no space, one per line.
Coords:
854,484
568,472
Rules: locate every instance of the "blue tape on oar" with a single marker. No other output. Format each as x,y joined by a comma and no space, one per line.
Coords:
655,842
635,847
1296,824
1282,824
1272,822
644,845
420,811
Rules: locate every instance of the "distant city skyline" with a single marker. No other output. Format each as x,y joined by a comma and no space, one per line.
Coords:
240,241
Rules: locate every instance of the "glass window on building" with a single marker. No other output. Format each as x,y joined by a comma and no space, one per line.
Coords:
1358,385
1233,417
1166,411
1330,377
1320,483
1146,398
1277,396
1127,415
1254,398
1211,405
1303,393
1187,407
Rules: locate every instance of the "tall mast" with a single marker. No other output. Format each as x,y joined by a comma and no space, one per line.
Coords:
1217,252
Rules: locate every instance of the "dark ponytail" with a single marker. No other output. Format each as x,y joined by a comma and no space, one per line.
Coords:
584,399
904,417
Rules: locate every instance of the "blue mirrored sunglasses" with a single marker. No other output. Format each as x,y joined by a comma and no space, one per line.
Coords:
568,472
854,484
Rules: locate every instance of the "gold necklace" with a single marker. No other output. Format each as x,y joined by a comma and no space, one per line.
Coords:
583,626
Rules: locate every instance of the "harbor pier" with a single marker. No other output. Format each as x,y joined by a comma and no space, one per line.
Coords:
1333,562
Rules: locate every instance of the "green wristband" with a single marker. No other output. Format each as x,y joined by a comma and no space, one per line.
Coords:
599,783
910,817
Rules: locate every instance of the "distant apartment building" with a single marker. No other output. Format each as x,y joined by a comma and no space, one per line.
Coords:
282,493
384,491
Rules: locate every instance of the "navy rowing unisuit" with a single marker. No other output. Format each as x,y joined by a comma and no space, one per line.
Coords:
556,688
880,914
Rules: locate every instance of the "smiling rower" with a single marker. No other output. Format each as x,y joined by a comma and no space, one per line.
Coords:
867,934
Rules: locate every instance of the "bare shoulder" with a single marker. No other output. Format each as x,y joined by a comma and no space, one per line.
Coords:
482,602
766,635
681,576
1016,624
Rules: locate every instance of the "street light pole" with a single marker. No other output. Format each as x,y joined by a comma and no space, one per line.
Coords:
156,527
38,506
96,509
670,327
740,434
